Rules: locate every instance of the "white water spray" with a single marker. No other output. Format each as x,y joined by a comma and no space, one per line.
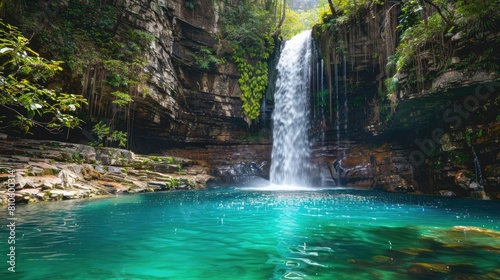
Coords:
291,146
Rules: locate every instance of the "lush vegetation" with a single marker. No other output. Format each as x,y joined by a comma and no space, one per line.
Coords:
24,95
421,40
104,57
251,27
434,32
303,19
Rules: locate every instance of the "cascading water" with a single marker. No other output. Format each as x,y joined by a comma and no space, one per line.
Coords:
291,146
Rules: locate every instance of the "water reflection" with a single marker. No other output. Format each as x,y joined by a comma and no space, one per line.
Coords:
235,233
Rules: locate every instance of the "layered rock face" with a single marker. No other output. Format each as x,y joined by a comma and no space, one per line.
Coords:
185,102
440,138
51,170
418,144
189,110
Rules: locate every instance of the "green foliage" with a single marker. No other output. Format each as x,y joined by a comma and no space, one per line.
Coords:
23,75
391,84
102,52
121,98
479,134
253,82
102,131
205,59
249,28
105,135
426,32
77,157
478,18
357,100
297,21
410,15
292,25
351,7
191,4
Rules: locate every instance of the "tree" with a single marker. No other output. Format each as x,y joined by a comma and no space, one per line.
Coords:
23,95
332,7
292,24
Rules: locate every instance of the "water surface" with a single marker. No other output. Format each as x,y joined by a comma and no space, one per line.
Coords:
235,233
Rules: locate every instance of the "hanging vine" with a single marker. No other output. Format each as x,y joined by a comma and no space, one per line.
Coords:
250,27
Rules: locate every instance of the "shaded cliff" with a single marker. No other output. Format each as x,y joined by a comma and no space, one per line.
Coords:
412,128
167,55
186,103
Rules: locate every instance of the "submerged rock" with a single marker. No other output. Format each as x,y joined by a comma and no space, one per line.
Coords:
428,270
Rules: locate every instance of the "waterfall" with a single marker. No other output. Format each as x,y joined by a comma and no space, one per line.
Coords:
291,146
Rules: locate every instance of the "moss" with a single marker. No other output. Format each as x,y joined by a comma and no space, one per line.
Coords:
49,171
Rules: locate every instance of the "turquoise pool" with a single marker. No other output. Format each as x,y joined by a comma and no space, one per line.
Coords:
239,233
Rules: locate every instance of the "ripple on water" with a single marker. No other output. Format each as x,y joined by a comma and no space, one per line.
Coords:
251,234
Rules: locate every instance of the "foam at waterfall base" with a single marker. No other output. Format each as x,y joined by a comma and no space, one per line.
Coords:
262,184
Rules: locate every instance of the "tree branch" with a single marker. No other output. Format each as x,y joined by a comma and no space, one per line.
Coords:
438,10
283,16
332,8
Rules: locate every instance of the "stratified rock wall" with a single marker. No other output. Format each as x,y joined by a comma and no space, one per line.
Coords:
420,139
184,103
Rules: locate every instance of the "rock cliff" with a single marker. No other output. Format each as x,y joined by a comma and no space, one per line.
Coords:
425,136
185,103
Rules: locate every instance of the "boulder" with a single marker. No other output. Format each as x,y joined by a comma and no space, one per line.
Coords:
113,156
465,179
446,193
68,178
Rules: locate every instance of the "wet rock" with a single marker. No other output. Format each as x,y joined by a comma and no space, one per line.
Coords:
21,181
492,175
63,194
462,178
452,141
382,259
356,170
479,195
241,172
446,193
114,169
476,231
49,182
65,179
428,270
159,185
89,173
414,251
394,183
465,179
